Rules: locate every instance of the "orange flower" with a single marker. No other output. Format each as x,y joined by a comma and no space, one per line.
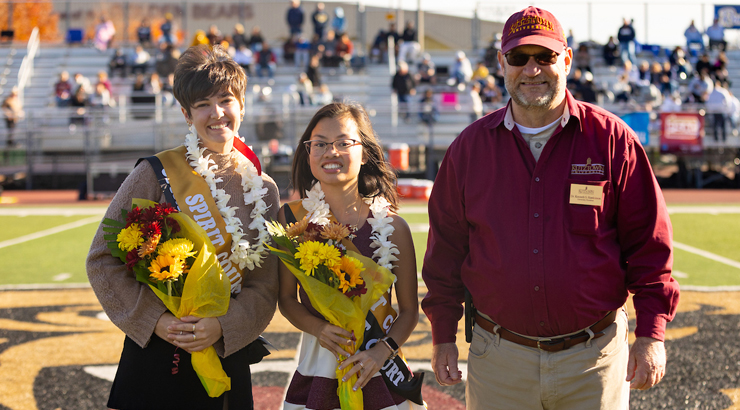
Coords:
294,230
334,231
150,245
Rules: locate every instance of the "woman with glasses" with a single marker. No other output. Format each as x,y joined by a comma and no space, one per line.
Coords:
339,165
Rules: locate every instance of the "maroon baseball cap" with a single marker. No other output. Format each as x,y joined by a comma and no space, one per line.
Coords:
533,26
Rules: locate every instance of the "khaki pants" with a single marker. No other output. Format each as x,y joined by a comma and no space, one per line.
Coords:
588,376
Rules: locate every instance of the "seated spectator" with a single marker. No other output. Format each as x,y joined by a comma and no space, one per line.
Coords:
266,61
583,58
668,79
344,49
481,73
323,96
101,98
426,71
104,33
302,52
166,60
317,45
491,92
79,104
63,90
140,60
671,103
719,68
239,37
144,33
700,87
656,73
289,49
428,111
694,37
338,21
703,63
312,72
490,55
461,71
142,98
643,73
103,79
610,52
243,57
304,88
379,47
476,105
409,48
214,35
256,40
573,83
587,90
80,80
118,63
199,39
329,57
622,89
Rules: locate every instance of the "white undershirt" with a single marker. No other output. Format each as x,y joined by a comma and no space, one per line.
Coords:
537,137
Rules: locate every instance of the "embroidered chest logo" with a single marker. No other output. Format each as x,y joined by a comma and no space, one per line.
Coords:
587,168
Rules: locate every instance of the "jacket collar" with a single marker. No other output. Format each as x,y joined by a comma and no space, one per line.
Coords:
572,110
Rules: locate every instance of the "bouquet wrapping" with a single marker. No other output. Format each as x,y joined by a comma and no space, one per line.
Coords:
343,300
188,279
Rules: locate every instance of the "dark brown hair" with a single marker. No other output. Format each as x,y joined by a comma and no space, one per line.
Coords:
376,176
202,72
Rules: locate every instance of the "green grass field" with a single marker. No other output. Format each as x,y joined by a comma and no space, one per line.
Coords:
60,257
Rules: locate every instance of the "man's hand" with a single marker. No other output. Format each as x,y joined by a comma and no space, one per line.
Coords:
444,363
646,365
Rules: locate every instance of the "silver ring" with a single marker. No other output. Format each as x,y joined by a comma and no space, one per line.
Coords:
181,332
193,327
193,336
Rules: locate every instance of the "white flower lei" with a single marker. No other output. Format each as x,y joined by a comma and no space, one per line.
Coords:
318,211
242,253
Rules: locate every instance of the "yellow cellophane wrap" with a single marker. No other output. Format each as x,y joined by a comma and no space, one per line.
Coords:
346,313
206,293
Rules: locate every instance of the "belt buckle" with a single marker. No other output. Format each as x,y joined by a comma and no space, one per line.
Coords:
539,346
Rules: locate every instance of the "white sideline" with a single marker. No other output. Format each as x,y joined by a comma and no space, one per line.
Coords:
50,231
708,255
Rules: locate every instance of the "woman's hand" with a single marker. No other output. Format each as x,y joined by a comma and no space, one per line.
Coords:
195,334
163,324
366,363
332,338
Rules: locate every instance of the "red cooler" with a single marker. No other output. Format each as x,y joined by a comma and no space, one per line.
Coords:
399,156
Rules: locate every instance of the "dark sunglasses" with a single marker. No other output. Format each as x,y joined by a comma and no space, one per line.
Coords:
521,59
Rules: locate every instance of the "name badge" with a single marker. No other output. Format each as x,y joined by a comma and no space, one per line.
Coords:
586,194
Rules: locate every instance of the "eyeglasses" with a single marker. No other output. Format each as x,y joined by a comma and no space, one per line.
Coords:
318,148
521,59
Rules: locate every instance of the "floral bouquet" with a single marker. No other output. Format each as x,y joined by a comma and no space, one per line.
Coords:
342,285
171,253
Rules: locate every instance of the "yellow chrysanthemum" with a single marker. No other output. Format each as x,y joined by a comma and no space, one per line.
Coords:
348,271
178,248
129,238
295,230
329,255
165,268
335,231
308,254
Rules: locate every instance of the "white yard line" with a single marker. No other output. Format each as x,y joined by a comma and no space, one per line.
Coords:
52,211
51,231
708,255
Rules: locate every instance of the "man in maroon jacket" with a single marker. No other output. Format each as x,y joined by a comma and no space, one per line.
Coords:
547,211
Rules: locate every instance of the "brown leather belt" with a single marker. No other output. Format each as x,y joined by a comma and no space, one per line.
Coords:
549,345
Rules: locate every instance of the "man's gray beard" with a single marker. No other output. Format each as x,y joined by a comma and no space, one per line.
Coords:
538,102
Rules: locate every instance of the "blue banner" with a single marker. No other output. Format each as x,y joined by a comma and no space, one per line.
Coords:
640,124
728,16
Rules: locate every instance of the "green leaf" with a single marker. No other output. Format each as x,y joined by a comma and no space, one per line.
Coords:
113,222
111,238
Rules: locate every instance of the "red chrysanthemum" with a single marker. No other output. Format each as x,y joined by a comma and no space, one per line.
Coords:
133,216
132,258
151,229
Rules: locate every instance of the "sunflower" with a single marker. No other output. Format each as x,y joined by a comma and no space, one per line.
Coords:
165,268
129,238
295,230
179,248
348,271
308,254
335,231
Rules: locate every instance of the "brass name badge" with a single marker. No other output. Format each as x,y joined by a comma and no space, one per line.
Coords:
586,194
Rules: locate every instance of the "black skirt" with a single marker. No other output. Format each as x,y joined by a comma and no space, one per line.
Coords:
146,380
